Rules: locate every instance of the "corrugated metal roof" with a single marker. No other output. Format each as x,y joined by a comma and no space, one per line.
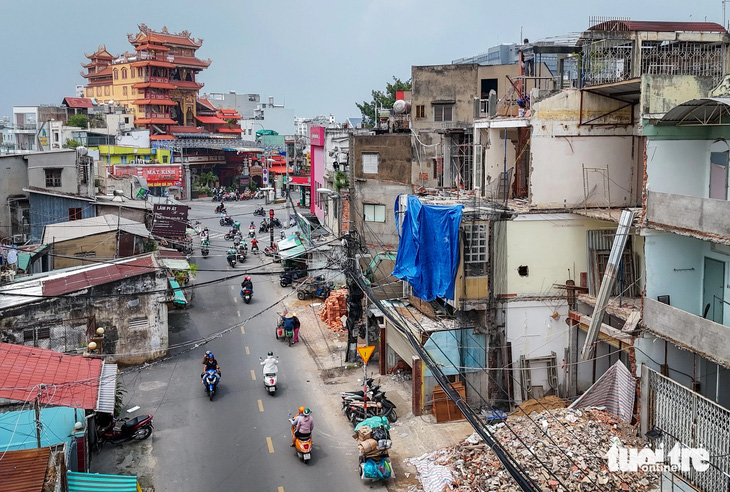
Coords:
704,111
98,276
75,229
107,388
657,26
24,470
23,368
98,482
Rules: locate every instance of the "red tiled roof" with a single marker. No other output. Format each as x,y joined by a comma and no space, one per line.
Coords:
185,84
229,130
229,113
151,46
278,168
206,103
24,470
185,129
191,61
211,120
617,25
71,381
154,85
171,39
154,63
161,102
78,102
162,137
154,121
107,71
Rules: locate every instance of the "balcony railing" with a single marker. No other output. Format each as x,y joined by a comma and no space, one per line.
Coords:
159,96
162,80
706,216
153,114
700,335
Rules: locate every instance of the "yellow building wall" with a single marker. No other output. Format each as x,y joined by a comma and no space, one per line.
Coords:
551,246
112,154
102,245
116,90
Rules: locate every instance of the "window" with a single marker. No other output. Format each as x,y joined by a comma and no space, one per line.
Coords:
131,72
442,112
124,73
124,90
476,249
164,159
374,213
74,214
122,159
53,178
42,333
370,163
116,74
420,111
140,72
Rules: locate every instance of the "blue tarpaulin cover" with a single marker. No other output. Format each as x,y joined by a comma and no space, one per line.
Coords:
428,251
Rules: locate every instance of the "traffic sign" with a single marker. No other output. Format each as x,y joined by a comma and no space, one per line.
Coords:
366,352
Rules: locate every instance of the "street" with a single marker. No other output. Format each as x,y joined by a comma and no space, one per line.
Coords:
241,440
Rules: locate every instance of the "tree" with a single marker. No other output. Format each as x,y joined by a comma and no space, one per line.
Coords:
78,120
381,100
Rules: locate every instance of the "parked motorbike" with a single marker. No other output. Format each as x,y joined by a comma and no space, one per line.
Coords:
372,403
210,381
270,378
287,278
260,211
139,428
271,251
303,445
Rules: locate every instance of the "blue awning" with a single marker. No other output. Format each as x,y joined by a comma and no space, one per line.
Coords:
97,482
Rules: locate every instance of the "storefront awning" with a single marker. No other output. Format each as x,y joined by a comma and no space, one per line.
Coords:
290,247
292,252
300,180
98,482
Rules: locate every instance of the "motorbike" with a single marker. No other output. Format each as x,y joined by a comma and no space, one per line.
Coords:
240,256
237,239
264,226
270,378
271,251
275,223
139,428
357,408
303,446
254,246
251,231
246,295
219,208
259,211
210,381
287,278
283,333
231,260
224,221
204,250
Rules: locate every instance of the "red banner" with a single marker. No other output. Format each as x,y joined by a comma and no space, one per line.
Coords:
155,175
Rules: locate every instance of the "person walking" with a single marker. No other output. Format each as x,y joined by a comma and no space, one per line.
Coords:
297,324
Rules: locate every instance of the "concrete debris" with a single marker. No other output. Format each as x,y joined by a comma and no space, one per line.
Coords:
546,403
335,307
571,444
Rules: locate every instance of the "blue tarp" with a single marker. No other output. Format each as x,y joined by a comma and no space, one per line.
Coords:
428,251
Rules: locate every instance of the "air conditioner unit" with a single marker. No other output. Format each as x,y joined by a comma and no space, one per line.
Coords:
20,238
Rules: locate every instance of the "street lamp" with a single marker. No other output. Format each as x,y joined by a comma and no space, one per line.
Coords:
334,195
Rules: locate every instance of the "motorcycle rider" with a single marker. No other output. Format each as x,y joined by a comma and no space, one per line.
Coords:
254,245
303,425
248,284
231,254
210,362
270,363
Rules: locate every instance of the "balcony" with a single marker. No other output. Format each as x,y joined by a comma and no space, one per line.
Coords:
704,216
696,333
161,80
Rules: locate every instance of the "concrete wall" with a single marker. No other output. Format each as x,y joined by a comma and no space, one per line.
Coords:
13,169
560,148
706,216
675,267
681,167
660,93
63,159
18,429
701,335
493,141
103,246
456,83
135,324
372,191
394,157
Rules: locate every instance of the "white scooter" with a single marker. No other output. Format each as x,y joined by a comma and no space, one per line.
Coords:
270,373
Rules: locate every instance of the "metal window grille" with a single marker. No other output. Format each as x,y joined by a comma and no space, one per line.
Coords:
370,163
53,178
476,249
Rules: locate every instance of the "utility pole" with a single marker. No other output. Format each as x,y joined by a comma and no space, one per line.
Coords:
354,295
37,409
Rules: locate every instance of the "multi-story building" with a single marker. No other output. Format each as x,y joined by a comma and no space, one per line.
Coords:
157,82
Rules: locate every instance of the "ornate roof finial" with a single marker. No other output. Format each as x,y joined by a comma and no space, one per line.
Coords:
143,28
164,30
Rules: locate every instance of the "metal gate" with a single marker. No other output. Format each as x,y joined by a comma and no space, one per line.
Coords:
692,420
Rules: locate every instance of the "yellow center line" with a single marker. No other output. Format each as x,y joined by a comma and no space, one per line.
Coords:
238,313
247,351
261,406
233,287
243,331
280,489
253,375
270,445
235,299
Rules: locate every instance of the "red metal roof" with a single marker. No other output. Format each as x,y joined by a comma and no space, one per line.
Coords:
24,470
71,380
229,130
191,61
185,129
657,26
278,168
78,102
229,113
154,121
154,63
154,37
162,137
212,120
78,280
154,85
161,102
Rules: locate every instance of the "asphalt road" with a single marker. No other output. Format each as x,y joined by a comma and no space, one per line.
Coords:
240,441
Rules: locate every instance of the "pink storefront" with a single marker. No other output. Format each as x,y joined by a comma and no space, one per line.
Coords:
316,137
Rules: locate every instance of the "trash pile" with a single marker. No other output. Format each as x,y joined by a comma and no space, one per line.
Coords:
335,307
582,436
373,443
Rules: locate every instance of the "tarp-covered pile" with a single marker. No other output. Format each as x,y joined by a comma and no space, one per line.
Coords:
428,251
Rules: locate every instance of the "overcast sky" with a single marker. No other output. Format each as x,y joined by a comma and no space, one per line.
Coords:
315,56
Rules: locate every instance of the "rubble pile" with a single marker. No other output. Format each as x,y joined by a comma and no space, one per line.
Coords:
546,403
585,436
335,307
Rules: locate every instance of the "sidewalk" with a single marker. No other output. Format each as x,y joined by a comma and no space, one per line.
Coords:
411,435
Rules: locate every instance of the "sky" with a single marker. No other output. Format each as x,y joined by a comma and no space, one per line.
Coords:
317,57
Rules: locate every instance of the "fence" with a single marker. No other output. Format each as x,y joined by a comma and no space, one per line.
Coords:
692,420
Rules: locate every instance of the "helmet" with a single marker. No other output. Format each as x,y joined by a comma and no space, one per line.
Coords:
270,354
247,278
210,355
307,411
294,315
302,409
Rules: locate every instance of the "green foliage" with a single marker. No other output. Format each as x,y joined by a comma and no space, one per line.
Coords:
381,99
206,179
78,120
119,398
341,181
150,246
71,144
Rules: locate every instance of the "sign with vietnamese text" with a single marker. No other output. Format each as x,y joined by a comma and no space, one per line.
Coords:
169,220
156,176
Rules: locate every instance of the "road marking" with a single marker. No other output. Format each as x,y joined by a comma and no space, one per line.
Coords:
270,445
253,375
233,287
238,313
261,406
280,489
247,352
243,331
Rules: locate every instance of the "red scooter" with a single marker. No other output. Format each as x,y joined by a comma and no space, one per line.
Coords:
138,428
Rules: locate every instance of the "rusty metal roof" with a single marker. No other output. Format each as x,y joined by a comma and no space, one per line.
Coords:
24,470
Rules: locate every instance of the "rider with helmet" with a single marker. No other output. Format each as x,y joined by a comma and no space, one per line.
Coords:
248,284
303,425
270,363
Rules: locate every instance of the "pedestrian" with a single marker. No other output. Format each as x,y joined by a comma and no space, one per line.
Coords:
13,259
297,324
